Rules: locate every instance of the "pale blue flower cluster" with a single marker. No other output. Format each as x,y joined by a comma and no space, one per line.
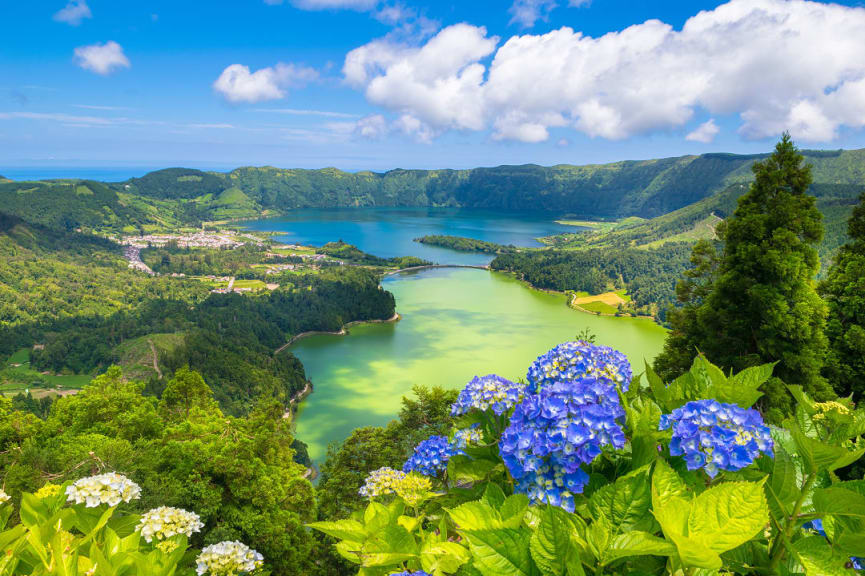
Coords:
575,360
430,456
407,573
552,433
816,525
465,437
489,392
716,436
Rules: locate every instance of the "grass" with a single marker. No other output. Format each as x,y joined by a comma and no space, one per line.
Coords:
18,379
136,357
705,228
251,284
606,303
599,307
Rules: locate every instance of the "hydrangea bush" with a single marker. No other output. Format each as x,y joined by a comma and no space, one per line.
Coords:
81,529
589,470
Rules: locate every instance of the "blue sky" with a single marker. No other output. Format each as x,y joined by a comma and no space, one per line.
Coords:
366,84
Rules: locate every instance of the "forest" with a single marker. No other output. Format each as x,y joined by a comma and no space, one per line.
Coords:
650,276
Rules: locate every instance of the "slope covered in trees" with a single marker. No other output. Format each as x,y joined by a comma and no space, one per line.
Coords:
644,188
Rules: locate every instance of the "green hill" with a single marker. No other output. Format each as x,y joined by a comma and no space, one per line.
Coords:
69,205
644,188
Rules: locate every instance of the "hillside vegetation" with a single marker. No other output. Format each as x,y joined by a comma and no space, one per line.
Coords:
633,188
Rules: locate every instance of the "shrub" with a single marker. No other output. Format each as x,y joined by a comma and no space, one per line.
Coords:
585,472
79,528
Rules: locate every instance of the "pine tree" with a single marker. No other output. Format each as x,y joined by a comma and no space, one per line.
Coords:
761,304
844,291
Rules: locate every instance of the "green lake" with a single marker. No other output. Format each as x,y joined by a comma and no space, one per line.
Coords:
456,323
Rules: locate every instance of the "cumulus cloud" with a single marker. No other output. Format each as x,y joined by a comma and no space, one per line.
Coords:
73,13
436,86
704,133
238,84
776,64
102,58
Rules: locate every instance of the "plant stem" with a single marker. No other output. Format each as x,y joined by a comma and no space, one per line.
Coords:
783,538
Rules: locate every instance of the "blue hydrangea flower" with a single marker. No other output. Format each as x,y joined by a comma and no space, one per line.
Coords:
575,360
407,573
552,433
717,436
489,392
430,456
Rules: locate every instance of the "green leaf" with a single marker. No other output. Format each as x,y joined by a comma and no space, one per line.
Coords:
503,552
494,496
839,501
513,510
475,516
351,530
666,484
625,503
637,543
728,515
743,388
462,469
551,545
783,485
443,557
659,390
819,559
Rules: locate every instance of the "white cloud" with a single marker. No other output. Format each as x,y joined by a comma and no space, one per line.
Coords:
102,58
238,84
704,133
439,84
527,12
73,13
776,64
372,127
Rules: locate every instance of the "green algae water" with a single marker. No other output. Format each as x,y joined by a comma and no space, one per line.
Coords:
456,323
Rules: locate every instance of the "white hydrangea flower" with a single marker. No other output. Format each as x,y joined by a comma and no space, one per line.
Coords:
4,497
165,522
227,559
109,488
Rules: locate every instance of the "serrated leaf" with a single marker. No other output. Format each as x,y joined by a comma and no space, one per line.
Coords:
443,557
351,530
666,484
637,543
819,559
839,501
659,390
503,552
464,469
475,516
743,388
551,542
494,495
728,515
783,485
513,510
625,503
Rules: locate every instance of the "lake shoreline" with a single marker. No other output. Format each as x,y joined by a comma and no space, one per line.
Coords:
341,332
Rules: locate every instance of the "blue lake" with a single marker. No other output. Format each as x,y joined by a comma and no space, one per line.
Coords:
391,232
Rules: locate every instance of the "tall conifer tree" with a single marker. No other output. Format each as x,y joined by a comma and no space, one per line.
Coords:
761,305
